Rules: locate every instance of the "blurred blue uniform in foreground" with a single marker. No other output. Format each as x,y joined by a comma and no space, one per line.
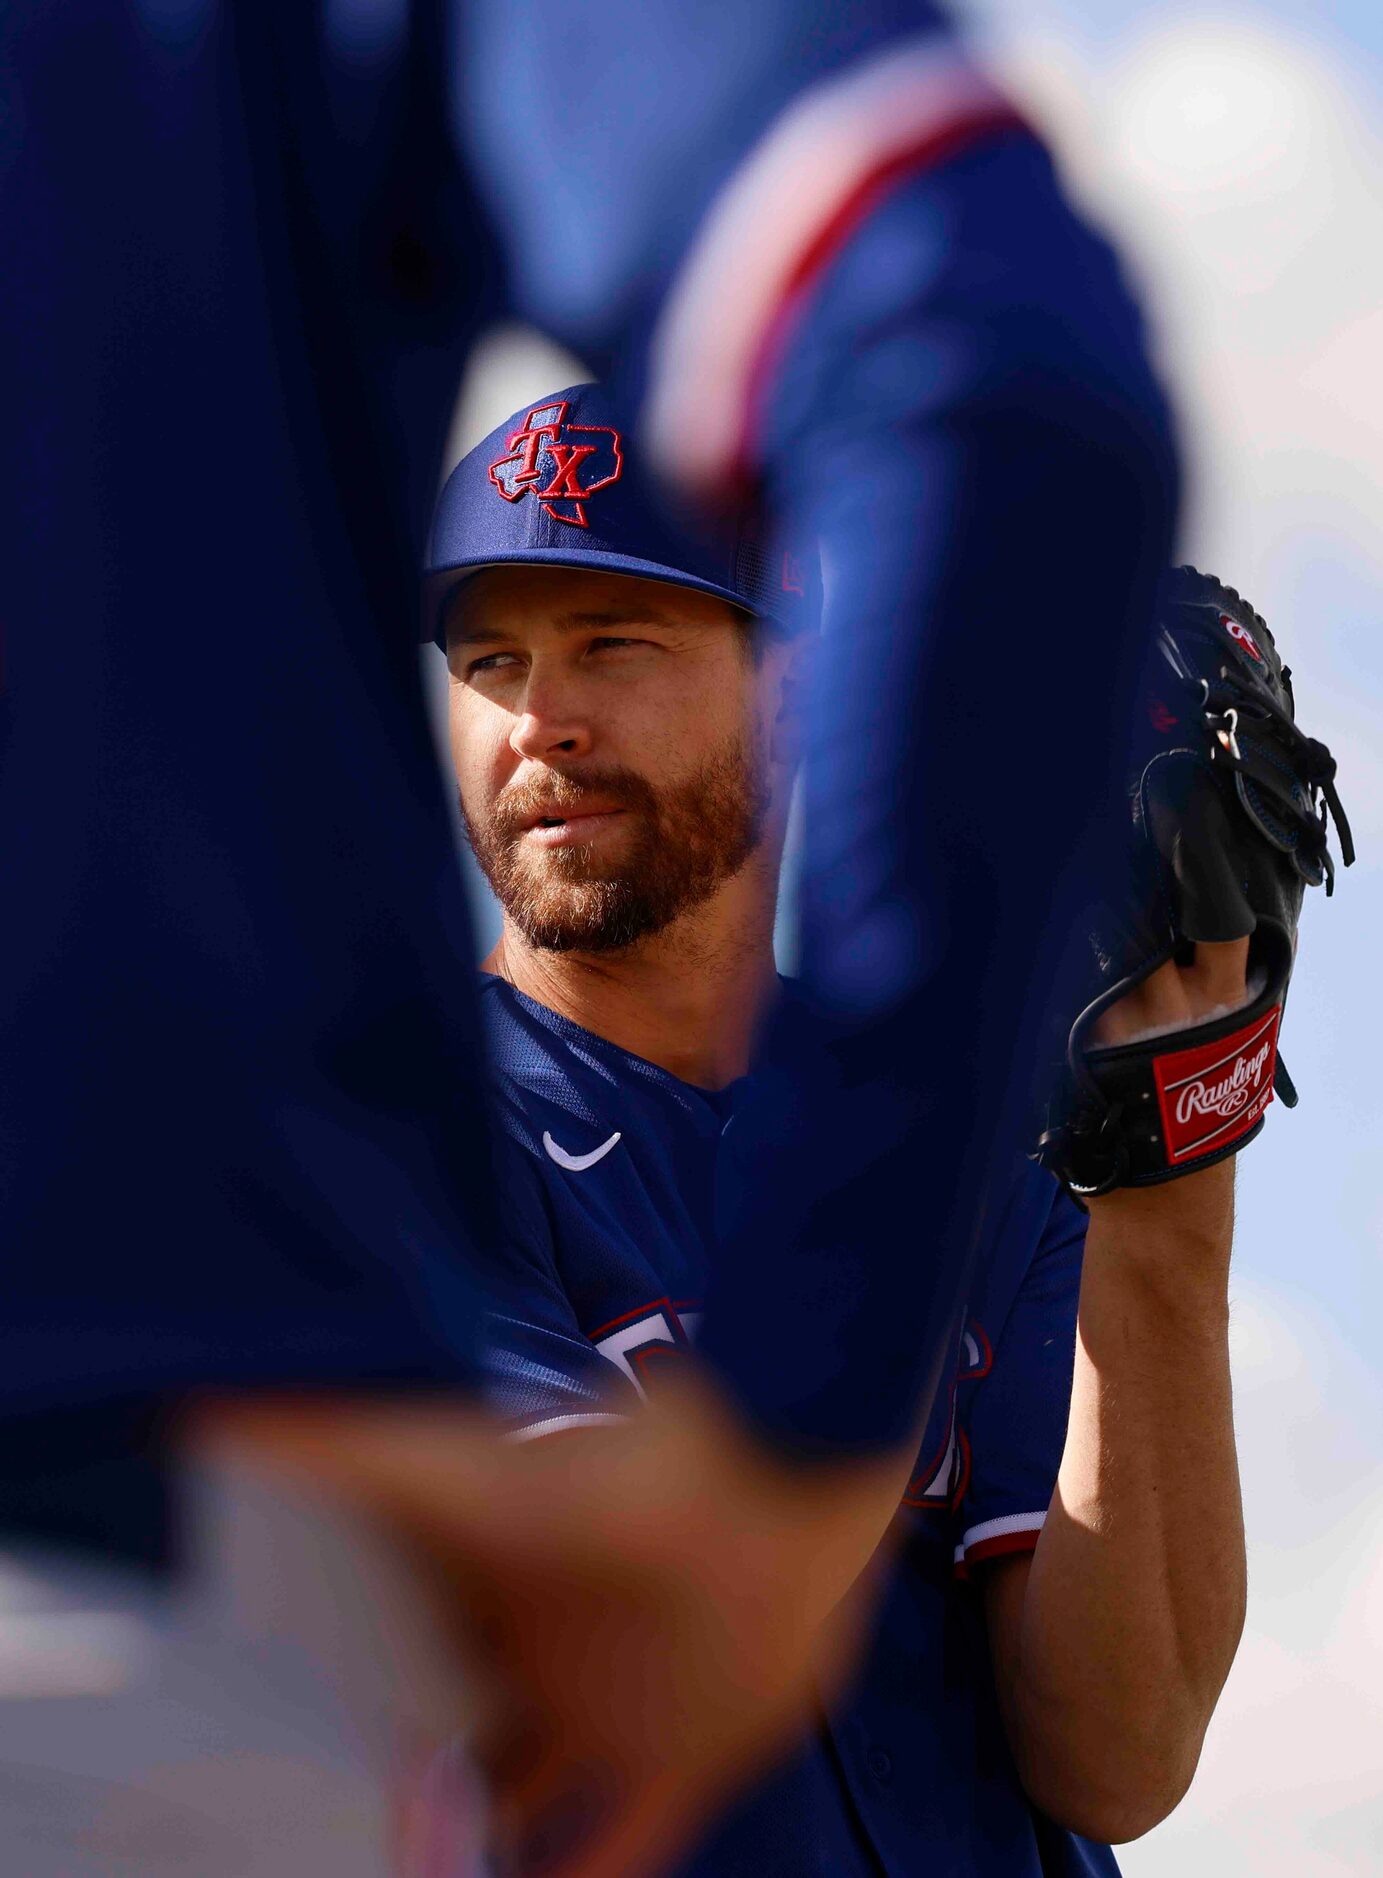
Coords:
241,1130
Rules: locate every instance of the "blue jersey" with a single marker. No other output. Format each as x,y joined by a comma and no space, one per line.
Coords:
611,1167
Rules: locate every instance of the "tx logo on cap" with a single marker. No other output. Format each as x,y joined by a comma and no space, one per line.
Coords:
562,464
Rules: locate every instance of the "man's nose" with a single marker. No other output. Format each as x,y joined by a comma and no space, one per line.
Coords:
550,725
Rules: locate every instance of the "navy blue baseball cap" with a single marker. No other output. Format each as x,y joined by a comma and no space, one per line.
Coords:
556,485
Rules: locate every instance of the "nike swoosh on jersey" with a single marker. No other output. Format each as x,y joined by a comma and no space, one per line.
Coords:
578,1163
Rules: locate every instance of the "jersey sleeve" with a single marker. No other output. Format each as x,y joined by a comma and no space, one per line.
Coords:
1015,1410
967,370
541,1374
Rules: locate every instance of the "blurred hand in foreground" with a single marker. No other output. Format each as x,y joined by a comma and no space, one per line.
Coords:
644,1614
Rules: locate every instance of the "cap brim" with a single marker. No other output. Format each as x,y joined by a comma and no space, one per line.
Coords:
439,585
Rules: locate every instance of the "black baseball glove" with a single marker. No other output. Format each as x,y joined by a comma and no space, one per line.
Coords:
1229,808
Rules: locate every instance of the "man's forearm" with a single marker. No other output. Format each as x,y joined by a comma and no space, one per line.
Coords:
1134,1602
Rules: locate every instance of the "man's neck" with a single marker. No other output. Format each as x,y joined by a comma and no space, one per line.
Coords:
690,999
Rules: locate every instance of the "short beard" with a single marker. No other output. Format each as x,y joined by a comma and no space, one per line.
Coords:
688,840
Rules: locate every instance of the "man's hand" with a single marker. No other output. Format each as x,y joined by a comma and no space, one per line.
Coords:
1175,997
640,1613
1229,804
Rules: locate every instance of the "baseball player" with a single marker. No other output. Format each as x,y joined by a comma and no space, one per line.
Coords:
827,260
1067,1589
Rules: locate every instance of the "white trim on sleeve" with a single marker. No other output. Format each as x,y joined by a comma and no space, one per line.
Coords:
977,1539
555,1424
774,220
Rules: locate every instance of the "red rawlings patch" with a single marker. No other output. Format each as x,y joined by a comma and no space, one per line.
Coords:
1213,1094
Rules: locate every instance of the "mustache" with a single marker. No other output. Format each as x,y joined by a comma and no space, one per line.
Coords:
556,792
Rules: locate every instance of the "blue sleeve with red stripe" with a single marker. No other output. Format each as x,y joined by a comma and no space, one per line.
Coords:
1014,1416
964,416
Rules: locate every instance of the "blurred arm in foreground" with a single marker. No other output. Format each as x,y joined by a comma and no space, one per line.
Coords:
646,1614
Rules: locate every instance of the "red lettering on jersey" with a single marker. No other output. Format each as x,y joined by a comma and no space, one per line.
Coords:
639,1341
942,1480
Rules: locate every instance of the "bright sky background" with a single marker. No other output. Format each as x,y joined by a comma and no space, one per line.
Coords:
1239,156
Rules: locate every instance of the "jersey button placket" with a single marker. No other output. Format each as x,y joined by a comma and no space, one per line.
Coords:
879,1763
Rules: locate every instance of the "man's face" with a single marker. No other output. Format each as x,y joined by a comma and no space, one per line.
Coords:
612,741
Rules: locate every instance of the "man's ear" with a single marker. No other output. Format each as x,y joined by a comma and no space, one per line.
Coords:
796,661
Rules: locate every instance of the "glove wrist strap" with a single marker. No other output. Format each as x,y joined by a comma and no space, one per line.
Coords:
1164,1106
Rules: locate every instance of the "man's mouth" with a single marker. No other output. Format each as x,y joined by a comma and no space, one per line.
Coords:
556,828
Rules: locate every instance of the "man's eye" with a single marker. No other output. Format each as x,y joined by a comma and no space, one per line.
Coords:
492,662
609,642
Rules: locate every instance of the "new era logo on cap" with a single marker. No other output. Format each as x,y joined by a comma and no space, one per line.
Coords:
561,465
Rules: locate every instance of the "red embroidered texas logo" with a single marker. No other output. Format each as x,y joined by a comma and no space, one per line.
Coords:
562,464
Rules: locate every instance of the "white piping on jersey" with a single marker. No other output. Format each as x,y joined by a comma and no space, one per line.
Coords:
578,1163
765,225
556,1423
998,1529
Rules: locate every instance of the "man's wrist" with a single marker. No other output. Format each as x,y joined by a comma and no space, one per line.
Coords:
1172,1240
1197,1209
